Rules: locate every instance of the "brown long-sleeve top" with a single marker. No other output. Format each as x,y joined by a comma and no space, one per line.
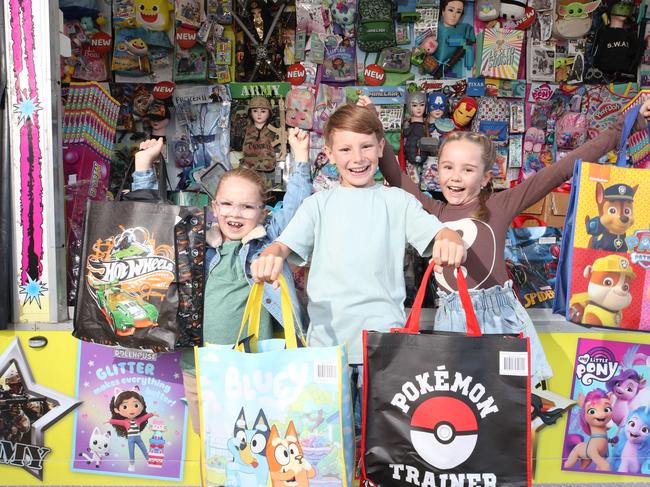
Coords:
485,262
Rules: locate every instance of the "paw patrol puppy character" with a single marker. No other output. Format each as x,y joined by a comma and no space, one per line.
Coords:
608,292
287,463
616,216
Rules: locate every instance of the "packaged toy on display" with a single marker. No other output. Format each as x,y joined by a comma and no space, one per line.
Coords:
604,260
120,389
446,407
299,431
531,256
607,433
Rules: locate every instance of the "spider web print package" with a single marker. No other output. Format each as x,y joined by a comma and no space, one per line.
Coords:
129,284
608,431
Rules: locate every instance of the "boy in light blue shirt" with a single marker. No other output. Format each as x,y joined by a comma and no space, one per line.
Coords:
354,237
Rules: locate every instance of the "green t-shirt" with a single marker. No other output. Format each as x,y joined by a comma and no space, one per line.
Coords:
226,292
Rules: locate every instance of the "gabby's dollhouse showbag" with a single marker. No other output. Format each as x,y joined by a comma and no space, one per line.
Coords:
607,431
606,252
272,411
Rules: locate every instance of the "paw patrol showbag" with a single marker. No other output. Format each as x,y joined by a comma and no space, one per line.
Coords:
606,253
273,412
446,409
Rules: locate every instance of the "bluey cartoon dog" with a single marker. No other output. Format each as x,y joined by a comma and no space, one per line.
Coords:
287,463
615,217
249,467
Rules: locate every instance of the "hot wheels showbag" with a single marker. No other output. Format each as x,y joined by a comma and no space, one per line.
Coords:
446,409
603,262
281,416
607,432
128,291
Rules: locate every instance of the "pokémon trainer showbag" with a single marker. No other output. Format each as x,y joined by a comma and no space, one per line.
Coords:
446,409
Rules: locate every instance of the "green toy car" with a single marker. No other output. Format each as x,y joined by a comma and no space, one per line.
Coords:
125,311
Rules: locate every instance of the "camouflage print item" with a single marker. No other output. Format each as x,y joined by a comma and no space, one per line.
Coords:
259,152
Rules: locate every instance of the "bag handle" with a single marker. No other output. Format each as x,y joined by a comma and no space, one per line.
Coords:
163,179
519,220
413,320
251,318
626,131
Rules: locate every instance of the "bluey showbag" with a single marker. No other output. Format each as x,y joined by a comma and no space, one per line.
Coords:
602,280
273,412
446,409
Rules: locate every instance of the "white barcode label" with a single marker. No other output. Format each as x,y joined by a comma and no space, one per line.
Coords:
513,363
547,240
326,372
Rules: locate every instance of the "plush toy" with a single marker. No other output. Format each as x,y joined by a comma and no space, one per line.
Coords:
152,14
88,25
511,11
573,18
464,111
487,10
344,15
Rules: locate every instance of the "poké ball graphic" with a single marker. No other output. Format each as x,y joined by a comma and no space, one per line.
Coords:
444,432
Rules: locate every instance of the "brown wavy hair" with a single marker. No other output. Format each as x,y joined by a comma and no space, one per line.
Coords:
488,156
119,399
353,118
248,175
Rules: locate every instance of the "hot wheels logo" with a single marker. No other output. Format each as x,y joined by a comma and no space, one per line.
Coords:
639,245
597,364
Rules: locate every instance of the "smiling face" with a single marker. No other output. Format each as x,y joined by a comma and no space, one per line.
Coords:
129,408
452,13
237,207
626,389
356,157
598,413
636,430
462,171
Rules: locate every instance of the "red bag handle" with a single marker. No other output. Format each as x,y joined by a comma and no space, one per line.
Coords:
519,221
413,320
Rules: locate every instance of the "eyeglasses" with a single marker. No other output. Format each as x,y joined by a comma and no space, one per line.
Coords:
225,208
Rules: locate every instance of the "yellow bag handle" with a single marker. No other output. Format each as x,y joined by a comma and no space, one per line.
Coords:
251,317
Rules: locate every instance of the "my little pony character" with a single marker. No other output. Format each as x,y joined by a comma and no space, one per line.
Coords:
596,413
249,467
626,385
98,446
633,443
287,463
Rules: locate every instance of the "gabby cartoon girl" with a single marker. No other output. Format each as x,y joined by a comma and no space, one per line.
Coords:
129,418
633,446
596,413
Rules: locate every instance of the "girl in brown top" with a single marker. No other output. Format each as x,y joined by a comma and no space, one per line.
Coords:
482,218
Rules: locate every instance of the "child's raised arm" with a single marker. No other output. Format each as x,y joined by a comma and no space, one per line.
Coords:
299,144
149,151
268,266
